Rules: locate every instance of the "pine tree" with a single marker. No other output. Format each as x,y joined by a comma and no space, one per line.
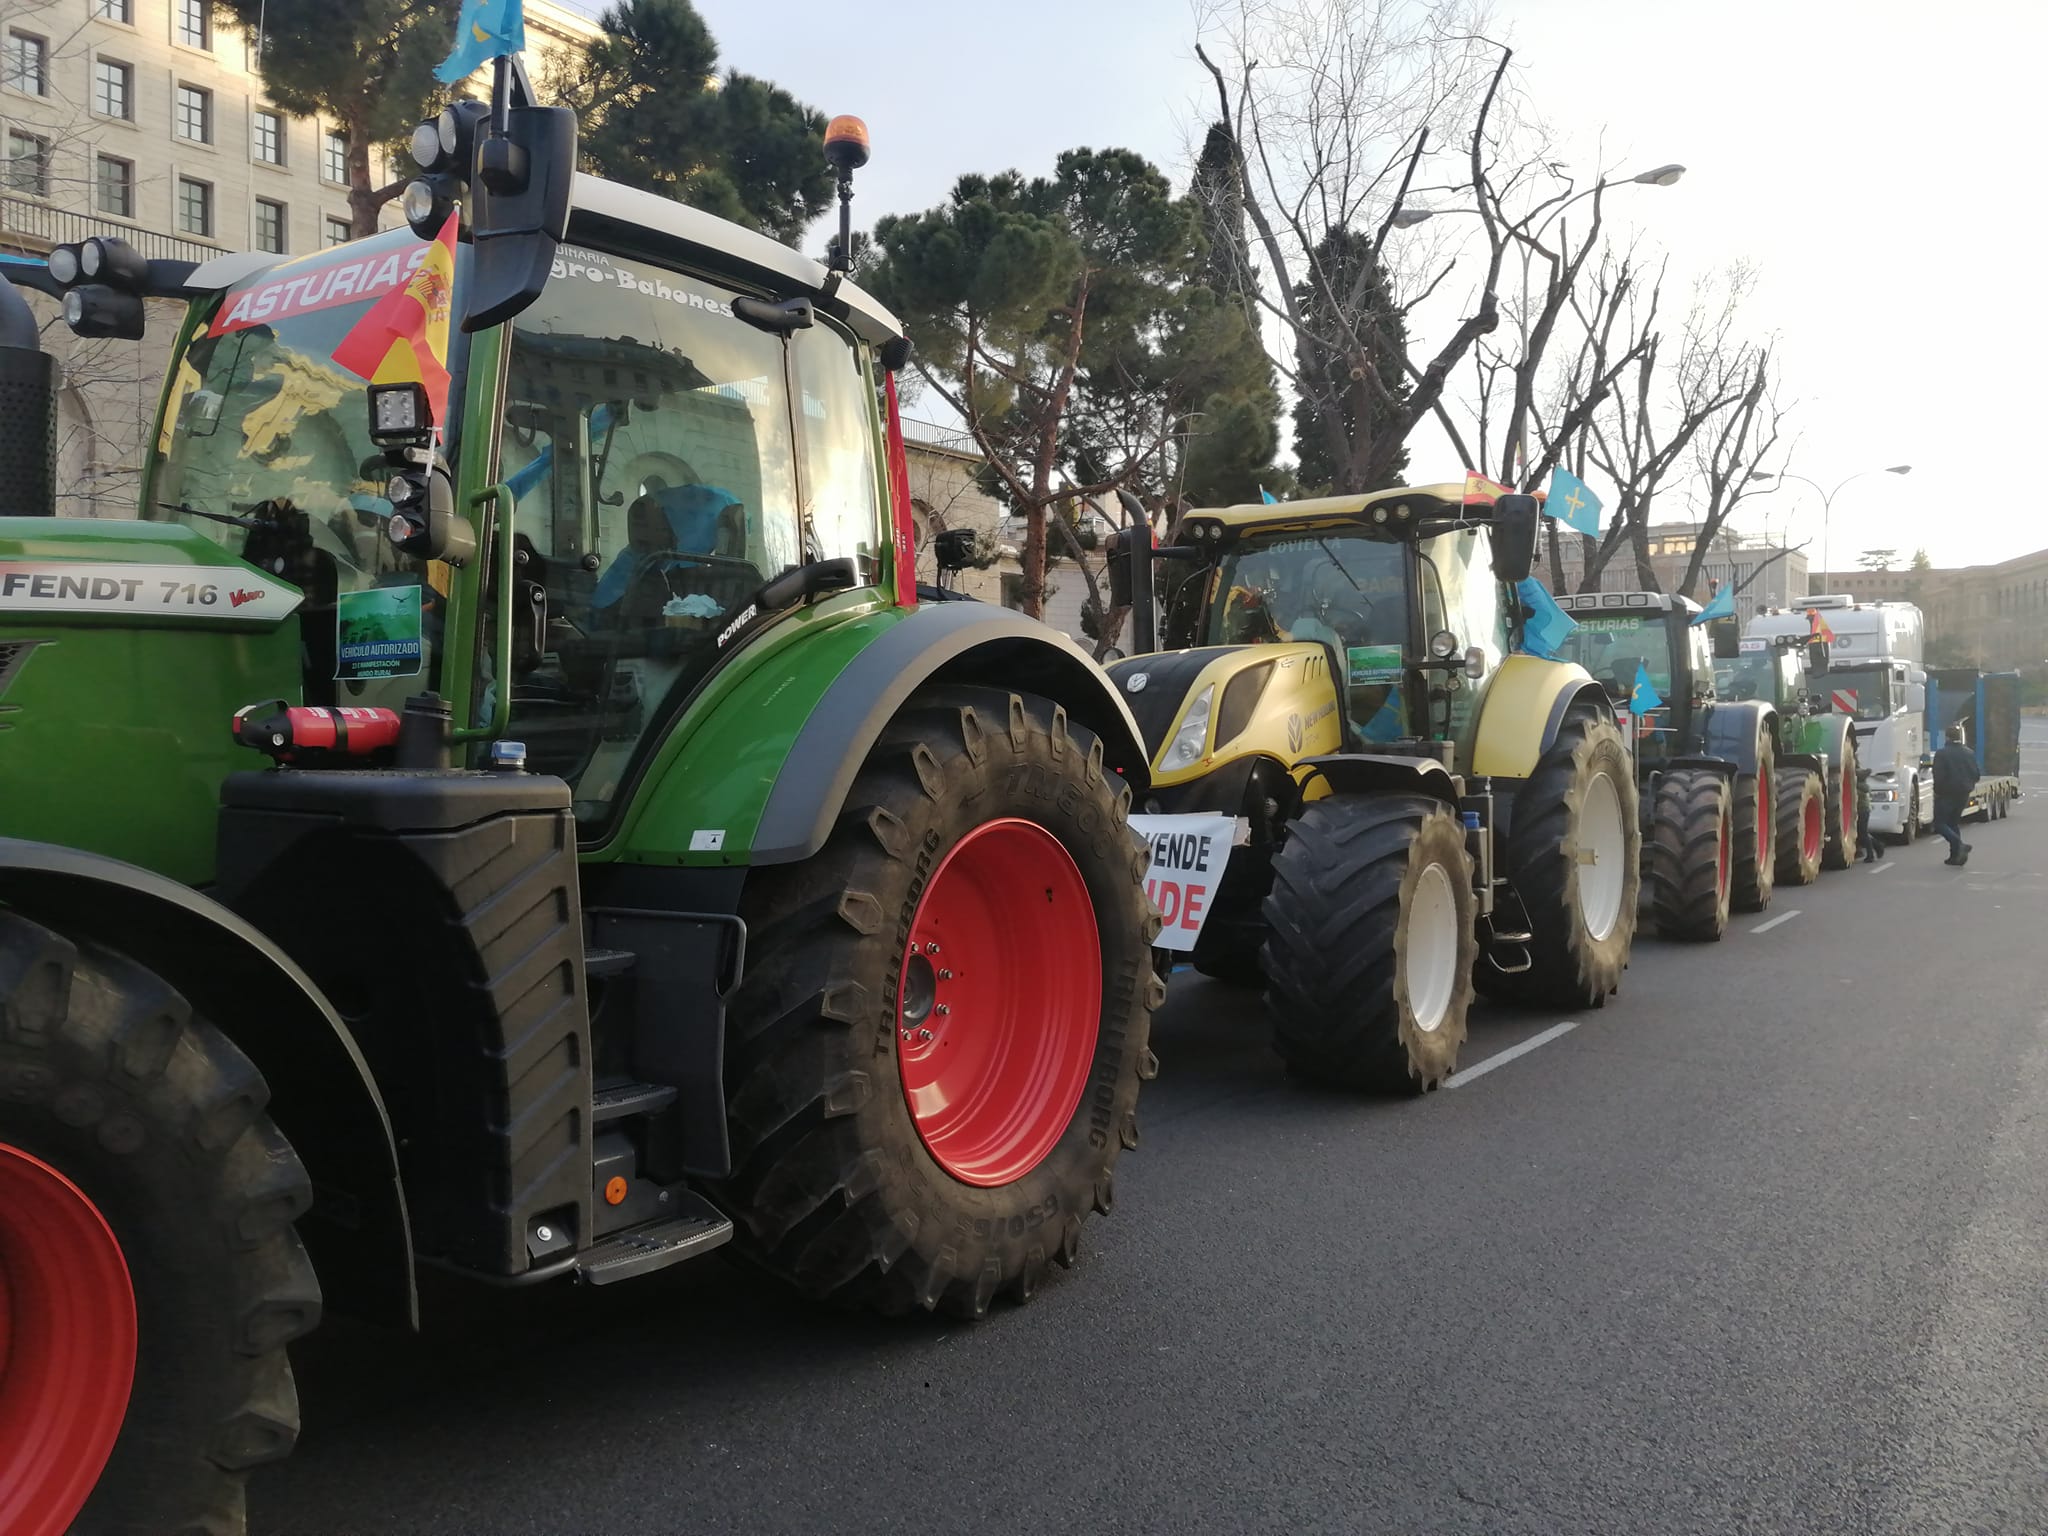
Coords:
1347,397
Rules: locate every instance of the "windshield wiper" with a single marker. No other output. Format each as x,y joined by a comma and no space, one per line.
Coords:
1340,565
214,517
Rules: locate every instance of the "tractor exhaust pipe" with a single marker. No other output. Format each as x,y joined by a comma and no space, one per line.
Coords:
1130,575
28,413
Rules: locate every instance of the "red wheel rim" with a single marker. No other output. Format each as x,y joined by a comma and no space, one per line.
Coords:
1724,857
67,1345
1812,830
1000,997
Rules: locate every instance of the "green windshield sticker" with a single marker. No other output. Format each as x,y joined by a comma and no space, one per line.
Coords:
378,633
1375,663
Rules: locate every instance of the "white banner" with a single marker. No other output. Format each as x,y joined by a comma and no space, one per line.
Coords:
230,594
1188,857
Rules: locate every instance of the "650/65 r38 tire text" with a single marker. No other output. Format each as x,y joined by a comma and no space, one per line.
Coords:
1371,943
1574,855
150,1276
933,1059
1692,857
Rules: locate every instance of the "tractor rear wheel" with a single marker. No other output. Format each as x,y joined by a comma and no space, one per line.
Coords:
1371,943
1756,830
1840,849
1692,855
1802,826
150,1276
933,1058
1574,855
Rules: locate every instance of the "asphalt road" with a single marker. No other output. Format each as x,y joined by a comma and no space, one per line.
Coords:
1757,1248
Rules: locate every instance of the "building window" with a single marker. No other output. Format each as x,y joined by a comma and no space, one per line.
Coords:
337,231
269,226
195,207
113,89
114,186
195,23
122,11
28,64
334,156
269,137
28,164
194,114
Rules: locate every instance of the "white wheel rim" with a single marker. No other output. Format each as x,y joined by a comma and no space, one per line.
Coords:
1430,962
1602,835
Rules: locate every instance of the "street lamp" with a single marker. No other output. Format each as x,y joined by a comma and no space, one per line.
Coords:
1662,176
1827,502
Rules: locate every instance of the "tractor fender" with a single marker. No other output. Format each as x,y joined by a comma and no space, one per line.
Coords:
1367,773
1715,765
1524,707
322,1095
1731,731
1814,760
971,643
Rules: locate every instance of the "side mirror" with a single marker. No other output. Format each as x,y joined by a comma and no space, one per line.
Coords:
1916,697
1727,637
1120,544
519,211
1515,520
1816,656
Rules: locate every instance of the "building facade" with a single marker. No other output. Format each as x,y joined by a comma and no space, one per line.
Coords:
1765,574
146,119
1990,616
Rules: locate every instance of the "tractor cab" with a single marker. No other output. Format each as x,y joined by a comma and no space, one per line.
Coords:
1625,637
1780,670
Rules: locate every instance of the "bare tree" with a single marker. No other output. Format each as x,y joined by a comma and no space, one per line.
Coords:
1729,459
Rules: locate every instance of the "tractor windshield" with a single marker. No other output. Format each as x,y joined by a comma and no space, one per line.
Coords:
668,459
1345,589
265,448
1749,676
1612,647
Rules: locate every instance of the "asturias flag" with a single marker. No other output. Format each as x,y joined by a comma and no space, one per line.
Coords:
486,30
1644,696
1572,504
1721,606
403,337
1547,625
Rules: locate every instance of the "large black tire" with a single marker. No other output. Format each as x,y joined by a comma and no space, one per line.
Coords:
1802,826
1756,831
1840,851
108,1077
1581,926
1371,943
834,1188
1691,855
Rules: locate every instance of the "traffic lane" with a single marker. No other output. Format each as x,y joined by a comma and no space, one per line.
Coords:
1678,1270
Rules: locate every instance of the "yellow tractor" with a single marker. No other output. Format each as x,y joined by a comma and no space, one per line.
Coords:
1416,807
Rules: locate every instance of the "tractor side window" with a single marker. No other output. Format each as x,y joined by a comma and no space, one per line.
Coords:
1472,610
834,428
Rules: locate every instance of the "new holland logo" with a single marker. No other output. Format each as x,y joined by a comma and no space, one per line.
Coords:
744,618
14,655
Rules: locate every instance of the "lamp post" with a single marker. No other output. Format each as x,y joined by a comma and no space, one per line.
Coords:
1827,502
1660,176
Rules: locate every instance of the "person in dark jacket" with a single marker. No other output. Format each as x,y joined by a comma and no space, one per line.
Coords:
1955,775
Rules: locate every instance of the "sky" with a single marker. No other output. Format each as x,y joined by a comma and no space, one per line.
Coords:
1877,161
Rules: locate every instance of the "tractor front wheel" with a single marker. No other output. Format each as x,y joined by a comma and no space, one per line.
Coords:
1574,855
1840,851
1756,831
150,1275
933,1059
1371,943
1802,826
1692,855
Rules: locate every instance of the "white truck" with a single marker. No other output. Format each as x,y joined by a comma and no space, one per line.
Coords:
1875,674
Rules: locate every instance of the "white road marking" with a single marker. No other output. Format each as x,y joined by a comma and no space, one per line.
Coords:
1880,869
1502,1058
1782,917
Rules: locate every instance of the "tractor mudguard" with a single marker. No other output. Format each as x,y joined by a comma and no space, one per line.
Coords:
1731,731
1525,704
1813,760
964,643
1720,765
1361,773
321,1093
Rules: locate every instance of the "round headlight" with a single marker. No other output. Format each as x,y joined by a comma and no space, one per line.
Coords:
64,264
1443,645
74,307
445,127
426,145
418,203
91,257
402,490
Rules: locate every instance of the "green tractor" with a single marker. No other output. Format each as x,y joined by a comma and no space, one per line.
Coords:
543,841
1408,809
1816,786
1707,766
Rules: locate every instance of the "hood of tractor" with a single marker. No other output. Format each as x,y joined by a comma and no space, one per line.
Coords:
125,649
1200,710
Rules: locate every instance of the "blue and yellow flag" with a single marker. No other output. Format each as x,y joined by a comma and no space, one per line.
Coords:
1267,497
1572,504
486,30
1720,606
1548,624
1644,696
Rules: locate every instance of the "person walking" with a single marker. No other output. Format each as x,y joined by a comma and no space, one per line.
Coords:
1955,775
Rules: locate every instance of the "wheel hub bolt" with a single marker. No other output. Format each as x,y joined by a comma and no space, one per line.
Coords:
924,1034
945,975
931,946
943,1009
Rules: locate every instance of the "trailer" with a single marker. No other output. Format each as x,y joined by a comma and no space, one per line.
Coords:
1987,706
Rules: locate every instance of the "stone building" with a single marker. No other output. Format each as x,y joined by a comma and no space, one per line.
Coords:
1992,616
1767,574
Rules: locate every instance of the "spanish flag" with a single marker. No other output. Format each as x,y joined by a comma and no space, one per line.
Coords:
403,337
1482,492
1820,629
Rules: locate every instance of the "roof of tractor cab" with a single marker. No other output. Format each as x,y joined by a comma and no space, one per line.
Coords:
625,221
1446,499
1626,602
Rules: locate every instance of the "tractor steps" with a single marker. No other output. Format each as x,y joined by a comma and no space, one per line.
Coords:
608,962
624,1099
694,1229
